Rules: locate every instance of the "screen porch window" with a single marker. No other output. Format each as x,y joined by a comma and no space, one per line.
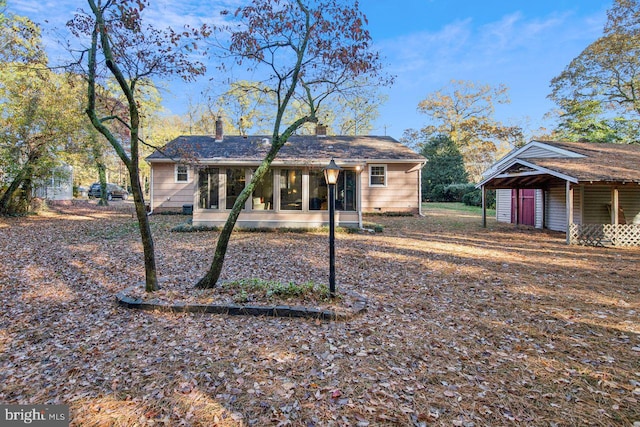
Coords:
262,199
377,176
182,173
208,185
346,191
318,191
236,180
291,189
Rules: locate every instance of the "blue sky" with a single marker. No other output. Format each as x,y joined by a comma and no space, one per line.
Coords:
426,44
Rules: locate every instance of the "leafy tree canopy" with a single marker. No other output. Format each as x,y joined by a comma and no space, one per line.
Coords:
444,166
608,70
464,111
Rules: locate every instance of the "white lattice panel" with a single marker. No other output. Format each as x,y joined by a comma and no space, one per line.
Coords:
605,234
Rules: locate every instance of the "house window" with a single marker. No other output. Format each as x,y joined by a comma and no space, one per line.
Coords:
262,199
318,193
291,189
377,176
235,184
182,173
208,186
346,191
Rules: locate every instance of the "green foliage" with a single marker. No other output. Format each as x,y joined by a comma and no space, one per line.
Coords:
586,121
273,290
445,166
606,72
19,39
474,198
464,111
190,228
451,192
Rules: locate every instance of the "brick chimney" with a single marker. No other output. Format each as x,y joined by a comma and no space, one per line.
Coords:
219,133
321,130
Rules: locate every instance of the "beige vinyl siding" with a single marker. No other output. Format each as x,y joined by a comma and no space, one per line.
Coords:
503,205
400,194
578,201
596,201
167,194
629,201
259,219
539,204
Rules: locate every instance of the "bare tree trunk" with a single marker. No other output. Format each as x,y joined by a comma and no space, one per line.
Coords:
5,200
211,278
151,278
102,178
6,206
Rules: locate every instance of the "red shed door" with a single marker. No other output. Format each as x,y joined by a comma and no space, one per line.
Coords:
523,204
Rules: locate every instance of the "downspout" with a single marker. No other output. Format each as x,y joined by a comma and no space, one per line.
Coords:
484,207
359,201
420,190
150,191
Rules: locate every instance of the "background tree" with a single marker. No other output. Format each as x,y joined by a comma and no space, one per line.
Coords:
310,50
41,113
586,121
464,111
608,70
19,38
355,112
444,167
132,54
244,107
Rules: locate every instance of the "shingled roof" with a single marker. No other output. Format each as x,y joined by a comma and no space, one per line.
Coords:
299,149
574,161
602,162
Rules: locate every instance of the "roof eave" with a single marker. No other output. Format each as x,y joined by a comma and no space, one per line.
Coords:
537,170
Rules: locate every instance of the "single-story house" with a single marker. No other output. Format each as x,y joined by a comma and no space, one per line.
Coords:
590,191
208,172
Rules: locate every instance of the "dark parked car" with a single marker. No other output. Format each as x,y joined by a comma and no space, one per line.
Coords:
113,191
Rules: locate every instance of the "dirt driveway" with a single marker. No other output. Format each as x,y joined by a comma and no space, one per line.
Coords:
465,326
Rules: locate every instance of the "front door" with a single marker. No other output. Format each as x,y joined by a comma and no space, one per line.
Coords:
523,207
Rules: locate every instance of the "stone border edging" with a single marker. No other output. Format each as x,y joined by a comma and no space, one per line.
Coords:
244,310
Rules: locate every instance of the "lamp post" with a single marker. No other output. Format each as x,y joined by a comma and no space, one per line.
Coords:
331,173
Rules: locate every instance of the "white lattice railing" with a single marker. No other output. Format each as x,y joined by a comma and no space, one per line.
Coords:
605,234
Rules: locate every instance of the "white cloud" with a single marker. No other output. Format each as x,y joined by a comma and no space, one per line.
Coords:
523,53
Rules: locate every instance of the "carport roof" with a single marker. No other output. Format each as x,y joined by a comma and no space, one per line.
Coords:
586,162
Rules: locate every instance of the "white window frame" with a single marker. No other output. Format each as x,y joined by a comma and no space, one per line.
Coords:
177,173
384,176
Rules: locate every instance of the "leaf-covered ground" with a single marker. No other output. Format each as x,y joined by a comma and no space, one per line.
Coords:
465,326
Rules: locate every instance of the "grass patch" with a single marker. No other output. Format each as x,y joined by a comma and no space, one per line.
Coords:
115,231
390,214
378,228
457,207
187,227
248,290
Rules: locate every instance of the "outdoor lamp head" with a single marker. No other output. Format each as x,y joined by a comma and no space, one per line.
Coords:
331,173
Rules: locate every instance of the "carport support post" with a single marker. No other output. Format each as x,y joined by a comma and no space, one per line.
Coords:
615,203
569,201
484,207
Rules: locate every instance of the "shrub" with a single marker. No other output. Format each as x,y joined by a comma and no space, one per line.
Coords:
474,198
244,289
451,192
190,228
